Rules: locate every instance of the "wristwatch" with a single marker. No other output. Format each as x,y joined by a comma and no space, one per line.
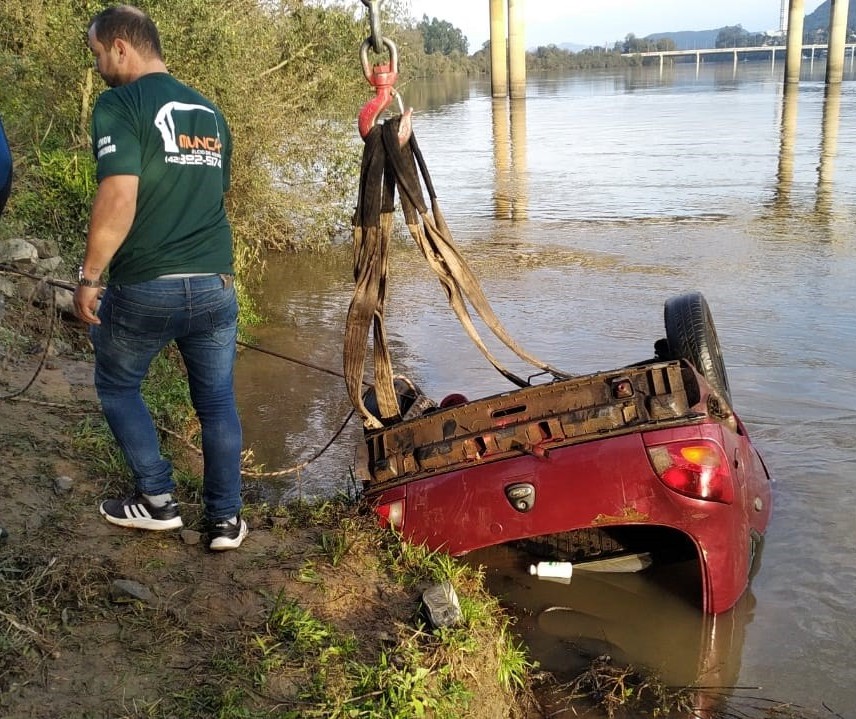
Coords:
83,282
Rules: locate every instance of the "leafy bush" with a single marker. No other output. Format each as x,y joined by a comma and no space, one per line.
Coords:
57,196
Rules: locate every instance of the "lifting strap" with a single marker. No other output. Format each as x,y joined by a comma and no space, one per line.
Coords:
388,163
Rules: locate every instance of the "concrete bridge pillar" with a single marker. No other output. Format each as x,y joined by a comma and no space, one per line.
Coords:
507,49
796,21
498,61
837,39
516,50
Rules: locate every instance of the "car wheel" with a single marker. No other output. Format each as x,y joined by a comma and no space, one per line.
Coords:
691,335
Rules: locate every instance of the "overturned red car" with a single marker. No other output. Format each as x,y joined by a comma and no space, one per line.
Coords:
650,458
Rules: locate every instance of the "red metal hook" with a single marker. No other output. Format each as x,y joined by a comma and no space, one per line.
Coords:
382,78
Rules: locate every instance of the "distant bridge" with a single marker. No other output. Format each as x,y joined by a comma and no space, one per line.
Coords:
508,54
737,51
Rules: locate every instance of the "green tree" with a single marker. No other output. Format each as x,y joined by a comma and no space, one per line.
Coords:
552,58
440,36
733,36
638,44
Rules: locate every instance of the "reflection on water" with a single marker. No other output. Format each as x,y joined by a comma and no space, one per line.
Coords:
427,96
787,146
502,157
519,191
788,202
831,115
828,147
509,146
629,189
289,411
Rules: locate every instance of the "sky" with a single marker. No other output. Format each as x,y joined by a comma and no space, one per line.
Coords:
603,22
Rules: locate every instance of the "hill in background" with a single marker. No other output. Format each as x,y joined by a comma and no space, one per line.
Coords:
701,39
688,39
819,19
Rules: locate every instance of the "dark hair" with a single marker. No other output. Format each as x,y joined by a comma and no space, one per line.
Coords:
125,22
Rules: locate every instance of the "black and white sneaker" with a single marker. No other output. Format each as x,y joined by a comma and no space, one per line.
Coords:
227,534
136,512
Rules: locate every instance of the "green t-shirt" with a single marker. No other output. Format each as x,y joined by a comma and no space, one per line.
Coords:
179,145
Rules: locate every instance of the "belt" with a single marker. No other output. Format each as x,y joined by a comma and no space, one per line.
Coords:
228,280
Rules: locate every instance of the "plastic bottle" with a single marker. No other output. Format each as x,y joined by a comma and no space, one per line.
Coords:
553,571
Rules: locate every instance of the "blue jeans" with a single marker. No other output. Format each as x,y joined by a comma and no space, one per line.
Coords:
137,322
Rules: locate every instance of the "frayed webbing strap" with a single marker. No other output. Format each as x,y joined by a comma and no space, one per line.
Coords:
386,166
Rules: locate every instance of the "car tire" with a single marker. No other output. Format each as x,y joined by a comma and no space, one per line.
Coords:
691,335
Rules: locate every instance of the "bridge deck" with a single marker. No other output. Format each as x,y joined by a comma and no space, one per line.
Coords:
722,50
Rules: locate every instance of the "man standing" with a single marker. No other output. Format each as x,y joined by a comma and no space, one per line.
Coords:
159,225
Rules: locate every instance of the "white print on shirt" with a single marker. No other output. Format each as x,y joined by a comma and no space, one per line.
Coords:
105,146
184,149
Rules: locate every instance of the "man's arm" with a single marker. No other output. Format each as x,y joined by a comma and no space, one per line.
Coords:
113,212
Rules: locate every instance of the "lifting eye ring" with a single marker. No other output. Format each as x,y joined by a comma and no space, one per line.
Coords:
371,73
382,78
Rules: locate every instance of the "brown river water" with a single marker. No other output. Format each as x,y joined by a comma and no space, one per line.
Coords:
582,209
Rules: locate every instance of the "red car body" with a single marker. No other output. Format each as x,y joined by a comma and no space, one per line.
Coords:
649,457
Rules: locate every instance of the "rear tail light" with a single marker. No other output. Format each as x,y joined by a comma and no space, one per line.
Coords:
696,469
391,514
